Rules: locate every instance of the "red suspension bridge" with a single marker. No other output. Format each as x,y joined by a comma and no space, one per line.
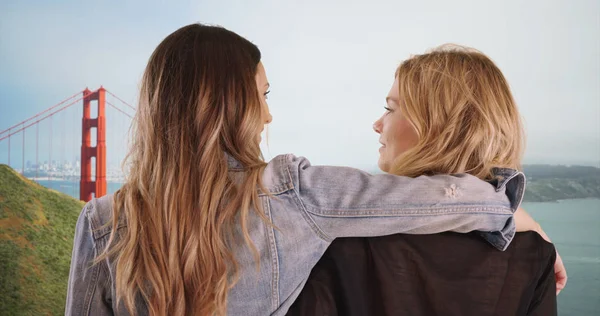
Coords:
89,171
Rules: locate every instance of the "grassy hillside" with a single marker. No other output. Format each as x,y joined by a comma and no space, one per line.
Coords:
551,183
36,237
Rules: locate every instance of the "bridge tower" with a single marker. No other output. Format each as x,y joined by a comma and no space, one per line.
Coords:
89,186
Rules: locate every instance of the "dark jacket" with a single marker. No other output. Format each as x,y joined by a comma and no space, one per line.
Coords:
441,274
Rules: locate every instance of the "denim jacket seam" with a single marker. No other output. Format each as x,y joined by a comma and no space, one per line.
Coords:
108,231
90,291
274,259
103,277
98,230
276,190
281,187
91,288
305,214
413,211
310,221
284,170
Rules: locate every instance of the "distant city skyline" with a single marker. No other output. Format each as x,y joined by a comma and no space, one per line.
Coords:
66,170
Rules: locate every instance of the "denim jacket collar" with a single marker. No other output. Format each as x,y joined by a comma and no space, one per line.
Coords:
232,163
513,181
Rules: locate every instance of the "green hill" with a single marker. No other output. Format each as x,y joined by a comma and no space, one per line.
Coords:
547,183
36,239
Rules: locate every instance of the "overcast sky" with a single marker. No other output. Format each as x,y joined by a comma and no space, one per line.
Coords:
330,64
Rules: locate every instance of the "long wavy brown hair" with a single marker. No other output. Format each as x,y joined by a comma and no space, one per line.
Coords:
460,104
198,104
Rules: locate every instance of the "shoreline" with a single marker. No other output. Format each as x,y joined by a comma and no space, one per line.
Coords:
558,201
117,181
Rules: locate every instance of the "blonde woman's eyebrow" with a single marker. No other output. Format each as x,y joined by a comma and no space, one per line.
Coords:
394,101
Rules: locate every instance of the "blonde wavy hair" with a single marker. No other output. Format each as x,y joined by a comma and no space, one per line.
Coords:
464,114
198,105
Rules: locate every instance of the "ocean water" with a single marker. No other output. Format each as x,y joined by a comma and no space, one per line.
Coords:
72,188
573,226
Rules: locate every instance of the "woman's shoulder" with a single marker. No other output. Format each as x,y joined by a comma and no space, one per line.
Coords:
279,174
98,214
286,165
283,161
284,172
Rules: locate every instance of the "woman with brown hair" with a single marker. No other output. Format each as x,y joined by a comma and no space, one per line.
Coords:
203,225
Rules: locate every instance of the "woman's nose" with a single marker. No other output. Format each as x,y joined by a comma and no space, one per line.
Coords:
269,118
377,126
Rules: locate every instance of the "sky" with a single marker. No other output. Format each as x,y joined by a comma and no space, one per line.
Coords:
330,65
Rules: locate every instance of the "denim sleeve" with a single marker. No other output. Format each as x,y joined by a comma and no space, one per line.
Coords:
86,280
346,202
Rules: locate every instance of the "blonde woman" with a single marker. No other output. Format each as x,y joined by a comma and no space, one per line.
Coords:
204,226
449,111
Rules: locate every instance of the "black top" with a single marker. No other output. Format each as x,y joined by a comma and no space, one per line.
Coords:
441,274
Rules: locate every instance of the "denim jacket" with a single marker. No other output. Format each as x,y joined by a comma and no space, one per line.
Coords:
310,206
